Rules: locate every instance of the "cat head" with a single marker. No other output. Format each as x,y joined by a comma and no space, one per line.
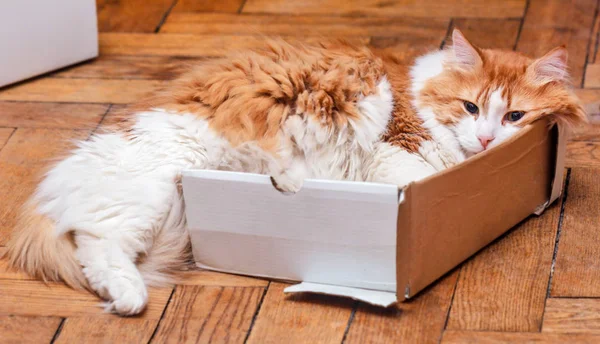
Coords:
485,96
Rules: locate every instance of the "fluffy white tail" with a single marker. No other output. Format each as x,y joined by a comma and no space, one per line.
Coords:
35,249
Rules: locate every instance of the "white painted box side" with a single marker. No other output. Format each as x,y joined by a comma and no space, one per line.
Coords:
330,232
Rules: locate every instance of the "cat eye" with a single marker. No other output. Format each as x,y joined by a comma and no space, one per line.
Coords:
471,108
514,116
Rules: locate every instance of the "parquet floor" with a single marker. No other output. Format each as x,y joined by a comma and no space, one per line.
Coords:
538,283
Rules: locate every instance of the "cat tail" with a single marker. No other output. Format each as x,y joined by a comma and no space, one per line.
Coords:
36,248
170,251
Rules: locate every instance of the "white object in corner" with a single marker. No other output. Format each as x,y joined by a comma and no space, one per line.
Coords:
38,36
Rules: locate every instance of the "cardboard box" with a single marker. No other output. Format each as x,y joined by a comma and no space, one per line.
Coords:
372,242
38,36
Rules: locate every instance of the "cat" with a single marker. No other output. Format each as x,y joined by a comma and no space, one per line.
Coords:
110,216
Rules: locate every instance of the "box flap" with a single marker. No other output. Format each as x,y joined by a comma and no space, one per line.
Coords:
374,297
559,168
330,232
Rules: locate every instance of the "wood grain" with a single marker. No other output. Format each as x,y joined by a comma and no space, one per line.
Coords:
302,25
131,67
420,320
5,134
489,33
55,299
593,50
200,314
8,273
211,278
551,23
231,6
80,90
302,318
461,337
577,267
494,293
131,15
22,161
185,44
407,8
583,154
20,329
51,115
113,329
572,315
592,76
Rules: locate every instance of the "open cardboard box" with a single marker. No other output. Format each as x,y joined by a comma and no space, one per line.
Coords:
371,242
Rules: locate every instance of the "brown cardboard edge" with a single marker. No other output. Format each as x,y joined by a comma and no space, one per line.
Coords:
403,232
404,223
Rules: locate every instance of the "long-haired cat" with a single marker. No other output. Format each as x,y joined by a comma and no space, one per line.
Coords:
110,216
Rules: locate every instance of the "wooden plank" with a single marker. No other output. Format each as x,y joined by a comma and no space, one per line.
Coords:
583,154
130,67
421,320
6,272
55,299
572,315
589,132
404,8
552,23
51,115
217,279
593,50
577,267
232,6
592,76
302,25
302,318
461,337
199,314
589,97
489,33
106,330
22,161
19,329
186,44
131,15
5,134
496,294
80,90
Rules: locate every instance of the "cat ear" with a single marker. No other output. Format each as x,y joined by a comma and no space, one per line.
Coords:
550,67
464,53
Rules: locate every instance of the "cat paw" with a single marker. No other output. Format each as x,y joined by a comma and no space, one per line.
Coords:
286,184
131,302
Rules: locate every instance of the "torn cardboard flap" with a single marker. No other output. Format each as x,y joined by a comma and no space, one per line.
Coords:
371,242
374,297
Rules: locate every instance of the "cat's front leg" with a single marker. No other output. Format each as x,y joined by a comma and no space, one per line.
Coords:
394,165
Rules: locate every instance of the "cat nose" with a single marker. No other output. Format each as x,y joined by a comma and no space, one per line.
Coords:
485,140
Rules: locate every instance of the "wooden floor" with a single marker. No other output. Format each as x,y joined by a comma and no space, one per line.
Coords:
538,283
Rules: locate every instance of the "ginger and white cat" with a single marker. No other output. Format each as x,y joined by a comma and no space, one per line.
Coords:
110,216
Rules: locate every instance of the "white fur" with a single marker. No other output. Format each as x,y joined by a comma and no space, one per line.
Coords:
393,165
488,125
445,141
461,140
119,194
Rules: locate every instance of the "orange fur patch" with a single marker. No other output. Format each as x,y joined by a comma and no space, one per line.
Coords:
506,70
248,96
